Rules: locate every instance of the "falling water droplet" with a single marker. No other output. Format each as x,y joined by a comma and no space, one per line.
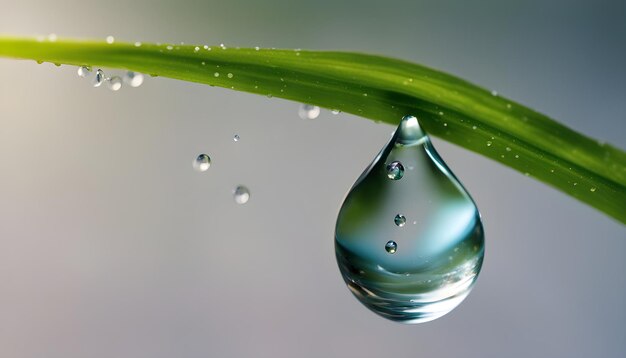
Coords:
241,194
202,163
448,218
133,79
399,220
115,83
98,78
308,111
395,170
391,247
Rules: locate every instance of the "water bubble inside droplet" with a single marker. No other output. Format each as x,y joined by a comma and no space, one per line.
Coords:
98,78
391,247
83,71
241,194
420,282
115,83
133,79
202,163
308,111
399,220
395,170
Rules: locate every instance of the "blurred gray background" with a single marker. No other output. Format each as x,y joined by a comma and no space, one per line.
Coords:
111,245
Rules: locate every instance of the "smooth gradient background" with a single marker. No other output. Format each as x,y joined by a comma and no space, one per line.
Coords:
111,245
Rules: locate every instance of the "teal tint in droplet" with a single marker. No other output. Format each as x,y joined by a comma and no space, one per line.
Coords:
440,258
395,170
399,220
391,247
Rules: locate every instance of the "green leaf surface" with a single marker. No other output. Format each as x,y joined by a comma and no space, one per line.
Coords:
381,89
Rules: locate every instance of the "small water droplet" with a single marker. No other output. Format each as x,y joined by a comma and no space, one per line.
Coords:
110,39
222,46
229,75
516,156
399,220
169,47
83,71
216,74
308,111
593,189
196,49
448,217
508,149
133,79
52,37
205,47
395,170
391,247
474,127
489,143
494,93
115,83
241,194
98,78
137,44
257,48
335,111
202,163
236,137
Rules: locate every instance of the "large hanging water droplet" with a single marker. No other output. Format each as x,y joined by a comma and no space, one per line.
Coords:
440,258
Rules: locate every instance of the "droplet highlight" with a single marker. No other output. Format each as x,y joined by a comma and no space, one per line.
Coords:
202,163
241,194
441,256
308,111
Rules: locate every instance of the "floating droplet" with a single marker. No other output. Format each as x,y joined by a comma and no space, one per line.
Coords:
395,170
236,138
202,163
420,282
83,71
241,194
308,111
98,78
115,83
133,79
399,220
391,247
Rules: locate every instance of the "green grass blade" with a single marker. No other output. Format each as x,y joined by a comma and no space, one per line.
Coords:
381,89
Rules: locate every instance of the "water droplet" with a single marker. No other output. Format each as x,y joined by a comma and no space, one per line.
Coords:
115,83
399,220
196,49
222,46
110,39
236,137
395,170
169,47
137,44
241,194
52,37
257,48
494,93
83,71
308,111
474,127
229,75
335,111
489,143
593,189
508,149
133,79
391,247
216,74
448,219
202,163
98,78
